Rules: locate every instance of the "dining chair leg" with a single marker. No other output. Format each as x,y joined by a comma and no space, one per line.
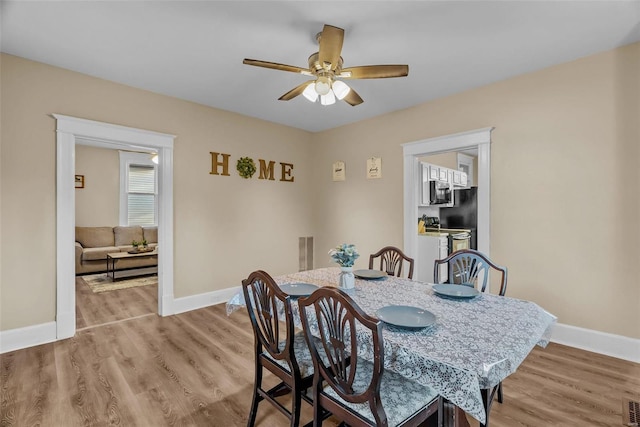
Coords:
257,383
318,417
296,400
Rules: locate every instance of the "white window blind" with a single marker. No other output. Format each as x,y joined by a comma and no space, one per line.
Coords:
141,195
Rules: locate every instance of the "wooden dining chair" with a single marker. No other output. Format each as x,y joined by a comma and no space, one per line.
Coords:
354,390
391,261
469,266
278,349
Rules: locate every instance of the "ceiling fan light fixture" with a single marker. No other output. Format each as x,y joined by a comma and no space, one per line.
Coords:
328,99
325,66
310,92
340,89
323,85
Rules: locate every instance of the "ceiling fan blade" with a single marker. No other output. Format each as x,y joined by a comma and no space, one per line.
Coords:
374,72
276,66
353,98
295,91
330,46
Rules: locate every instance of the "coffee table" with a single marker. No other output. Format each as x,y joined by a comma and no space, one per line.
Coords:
113,258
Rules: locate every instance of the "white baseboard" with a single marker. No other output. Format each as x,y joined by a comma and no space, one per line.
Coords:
16,339
598,342
194,302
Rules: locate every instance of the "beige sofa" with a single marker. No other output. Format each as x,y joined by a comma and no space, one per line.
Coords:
94,243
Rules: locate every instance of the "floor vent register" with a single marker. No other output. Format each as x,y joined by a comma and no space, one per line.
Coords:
630,413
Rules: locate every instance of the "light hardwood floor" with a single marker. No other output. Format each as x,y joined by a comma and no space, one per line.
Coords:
196,369
105,307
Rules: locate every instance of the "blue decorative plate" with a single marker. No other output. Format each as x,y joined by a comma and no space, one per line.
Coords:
406,316
298,289
455,291
370,274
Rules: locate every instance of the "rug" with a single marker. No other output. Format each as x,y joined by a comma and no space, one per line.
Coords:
102,283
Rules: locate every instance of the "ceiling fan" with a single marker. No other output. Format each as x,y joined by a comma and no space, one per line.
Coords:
326,68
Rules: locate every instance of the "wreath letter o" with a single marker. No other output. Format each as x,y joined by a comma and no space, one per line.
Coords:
246,167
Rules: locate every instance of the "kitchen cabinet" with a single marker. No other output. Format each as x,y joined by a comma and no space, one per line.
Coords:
434,172
454,177
443,174
437,173
463,179
457,178
431,246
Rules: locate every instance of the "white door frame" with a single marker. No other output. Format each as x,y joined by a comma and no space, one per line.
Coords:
69,132
412,151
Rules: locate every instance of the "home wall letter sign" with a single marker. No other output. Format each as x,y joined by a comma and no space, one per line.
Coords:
246,167
266,170
215,163
286,172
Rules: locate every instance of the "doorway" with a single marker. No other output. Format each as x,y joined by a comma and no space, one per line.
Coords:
478,139
72,131
120,189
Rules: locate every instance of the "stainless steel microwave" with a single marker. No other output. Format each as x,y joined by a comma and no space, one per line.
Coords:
439,193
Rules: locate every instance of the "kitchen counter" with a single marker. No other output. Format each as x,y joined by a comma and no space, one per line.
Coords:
437,243
443,231
434,234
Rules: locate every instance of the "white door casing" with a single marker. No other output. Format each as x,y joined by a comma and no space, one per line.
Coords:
69,132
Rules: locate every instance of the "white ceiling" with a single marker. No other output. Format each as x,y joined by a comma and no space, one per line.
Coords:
194,50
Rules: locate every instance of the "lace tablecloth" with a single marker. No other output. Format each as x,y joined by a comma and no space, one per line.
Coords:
474,344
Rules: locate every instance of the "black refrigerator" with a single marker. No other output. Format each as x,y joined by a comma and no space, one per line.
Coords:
463,214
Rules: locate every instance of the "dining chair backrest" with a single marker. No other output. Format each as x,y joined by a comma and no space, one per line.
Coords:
469,266
391,261
263,298
277,347
334,350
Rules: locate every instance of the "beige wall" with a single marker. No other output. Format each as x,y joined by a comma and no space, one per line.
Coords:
98,203
225,227
564,184
447,160
565,205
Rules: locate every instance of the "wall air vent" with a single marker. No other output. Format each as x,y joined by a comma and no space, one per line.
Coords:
305,253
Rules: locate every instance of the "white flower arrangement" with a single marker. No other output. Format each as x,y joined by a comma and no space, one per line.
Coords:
345,254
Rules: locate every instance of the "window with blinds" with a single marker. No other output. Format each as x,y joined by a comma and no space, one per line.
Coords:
141,195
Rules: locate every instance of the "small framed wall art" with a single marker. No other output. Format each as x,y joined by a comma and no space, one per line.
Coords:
79,181
374,168
338,171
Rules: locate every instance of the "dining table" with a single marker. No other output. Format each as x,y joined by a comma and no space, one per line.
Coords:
472,343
